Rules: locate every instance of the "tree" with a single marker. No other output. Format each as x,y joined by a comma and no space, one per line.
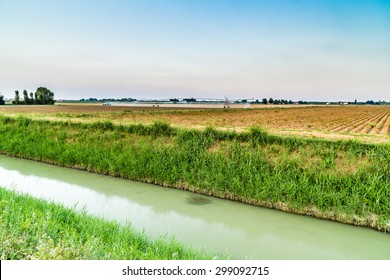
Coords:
271,101
2,102
44,96
36,98
32,101
25,97
174,100
16,100
265,101
189,100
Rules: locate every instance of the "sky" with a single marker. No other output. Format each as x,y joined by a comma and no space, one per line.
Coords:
333,50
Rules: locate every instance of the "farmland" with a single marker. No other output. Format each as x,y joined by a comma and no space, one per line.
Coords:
365,123
346,181
329,162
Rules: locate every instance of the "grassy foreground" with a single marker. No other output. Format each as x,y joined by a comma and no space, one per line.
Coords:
346,181
37,229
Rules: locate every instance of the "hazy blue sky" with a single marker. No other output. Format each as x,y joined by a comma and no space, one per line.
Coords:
290,49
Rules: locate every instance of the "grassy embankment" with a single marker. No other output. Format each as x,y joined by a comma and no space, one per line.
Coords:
346,181
37,229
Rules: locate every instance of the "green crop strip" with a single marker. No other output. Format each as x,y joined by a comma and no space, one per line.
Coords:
347,181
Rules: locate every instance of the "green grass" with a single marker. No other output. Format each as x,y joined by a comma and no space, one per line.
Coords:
37,229
347,181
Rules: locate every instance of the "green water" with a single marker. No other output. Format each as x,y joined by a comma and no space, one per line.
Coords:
239,230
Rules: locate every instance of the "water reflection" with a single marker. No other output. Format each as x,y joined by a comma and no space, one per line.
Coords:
198,200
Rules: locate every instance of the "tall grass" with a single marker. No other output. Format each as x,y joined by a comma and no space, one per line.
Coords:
38,229
346,181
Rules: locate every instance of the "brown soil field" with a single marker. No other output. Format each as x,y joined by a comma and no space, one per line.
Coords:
366,123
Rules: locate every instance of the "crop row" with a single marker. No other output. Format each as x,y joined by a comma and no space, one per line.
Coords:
378,123
342,180
371,123
386,126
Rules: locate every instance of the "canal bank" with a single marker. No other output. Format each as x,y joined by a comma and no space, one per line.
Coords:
344,181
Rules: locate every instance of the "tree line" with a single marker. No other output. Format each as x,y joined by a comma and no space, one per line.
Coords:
42,96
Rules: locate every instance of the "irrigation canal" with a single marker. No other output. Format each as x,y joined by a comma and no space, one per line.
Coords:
232,228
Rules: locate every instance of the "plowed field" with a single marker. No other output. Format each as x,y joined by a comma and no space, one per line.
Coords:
369,123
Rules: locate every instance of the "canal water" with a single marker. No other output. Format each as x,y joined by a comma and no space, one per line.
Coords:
235,229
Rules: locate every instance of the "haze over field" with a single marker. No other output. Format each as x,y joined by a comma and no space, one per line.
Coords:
300,50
